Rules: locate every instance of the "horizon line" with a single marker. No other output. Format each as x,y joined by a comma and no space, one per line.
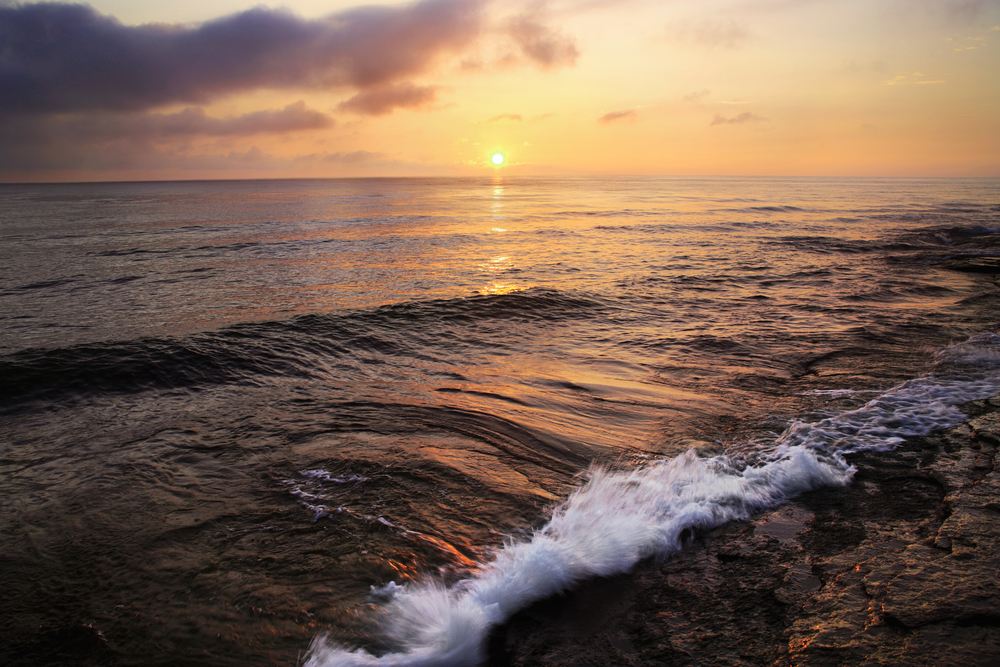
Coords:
494,176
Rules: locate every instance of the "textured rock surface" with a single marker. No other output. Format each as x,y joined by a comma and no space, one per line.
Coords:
900,568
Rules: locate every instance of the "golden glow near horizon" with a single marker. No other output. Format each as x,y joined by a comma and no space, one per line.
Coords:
848,88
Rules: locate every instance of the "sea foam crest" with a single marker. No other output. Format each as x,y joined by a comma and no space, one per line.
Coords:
618,518
964,372
605,527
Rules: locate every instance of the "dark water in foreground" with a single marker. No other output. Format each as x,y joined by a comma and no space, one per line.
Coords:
235,416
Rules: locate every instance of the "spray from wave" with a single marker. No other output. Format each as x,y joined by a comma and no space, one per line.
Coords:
619,518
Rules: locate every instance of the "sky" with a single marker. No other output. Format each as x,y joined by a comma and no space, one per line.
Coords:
216,89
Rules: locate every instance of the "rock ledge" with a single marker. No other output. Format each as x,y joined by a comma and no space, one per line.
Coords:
900,568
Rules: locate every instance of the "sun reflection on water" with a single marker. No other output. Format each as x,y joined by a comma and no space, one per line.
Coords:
500,288
499,265
497,196
496,267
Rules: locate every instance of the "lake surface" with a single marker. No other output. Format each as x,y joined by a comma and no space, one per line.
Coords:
238,416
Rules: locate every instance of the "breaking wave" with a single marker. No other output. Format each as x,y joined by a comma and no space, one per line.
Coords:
618,518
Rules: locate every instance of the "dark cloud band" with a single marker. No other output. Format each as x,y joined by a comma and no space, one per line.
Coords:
385,99
57,58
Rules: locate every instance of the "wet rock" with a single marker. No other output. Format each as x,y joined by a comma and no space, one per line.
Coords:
900,568
931,588
943,582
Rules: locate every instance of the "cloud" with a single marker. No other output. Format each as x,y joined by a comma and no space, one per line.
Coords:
61,58
541,44
616,116
694,97
120,140
193,122
506,118
356,162
709,33
352,158
252,156
745,117
918,78
153,127
384,100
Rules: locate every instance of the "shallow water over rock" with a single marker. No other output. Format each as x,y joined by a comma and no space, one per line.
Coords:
899,568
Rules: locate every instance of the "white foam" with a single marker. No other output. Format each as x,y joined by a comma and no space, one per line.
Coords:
617,519
390,590
313,495
327,477
964,372
839,392
981,352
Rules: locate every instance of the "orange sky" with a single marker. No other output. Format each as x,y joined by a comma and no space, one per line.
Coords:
164,90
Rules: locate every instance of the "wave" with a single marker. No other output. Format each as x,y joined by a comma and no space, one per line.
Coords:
618,518
773,208
824,244
249,353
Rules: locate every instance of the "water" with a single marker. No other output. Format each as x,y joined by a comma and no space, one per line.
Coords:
238,416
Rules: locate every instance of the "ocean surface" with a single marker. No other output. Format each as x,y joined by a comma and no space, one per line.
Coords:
354,422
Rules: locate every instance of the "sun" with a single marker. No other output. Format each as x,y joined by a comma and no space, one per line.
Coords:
497,159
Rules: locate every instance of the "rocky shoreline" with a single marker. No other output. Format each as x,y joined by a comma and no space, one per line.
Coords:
902,567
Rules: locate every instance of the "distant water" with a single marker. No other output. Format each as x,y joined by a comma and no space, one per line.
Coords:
239,416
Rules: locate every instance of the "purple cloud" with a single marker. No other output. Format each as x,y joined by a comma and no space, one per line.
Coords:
59,58
540,43
352,158
506,118
194,122
383,100
745,117
107,139
616,116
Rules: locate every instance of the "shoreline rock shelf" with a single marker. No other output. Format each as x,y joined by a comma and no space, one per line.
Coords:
900,568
